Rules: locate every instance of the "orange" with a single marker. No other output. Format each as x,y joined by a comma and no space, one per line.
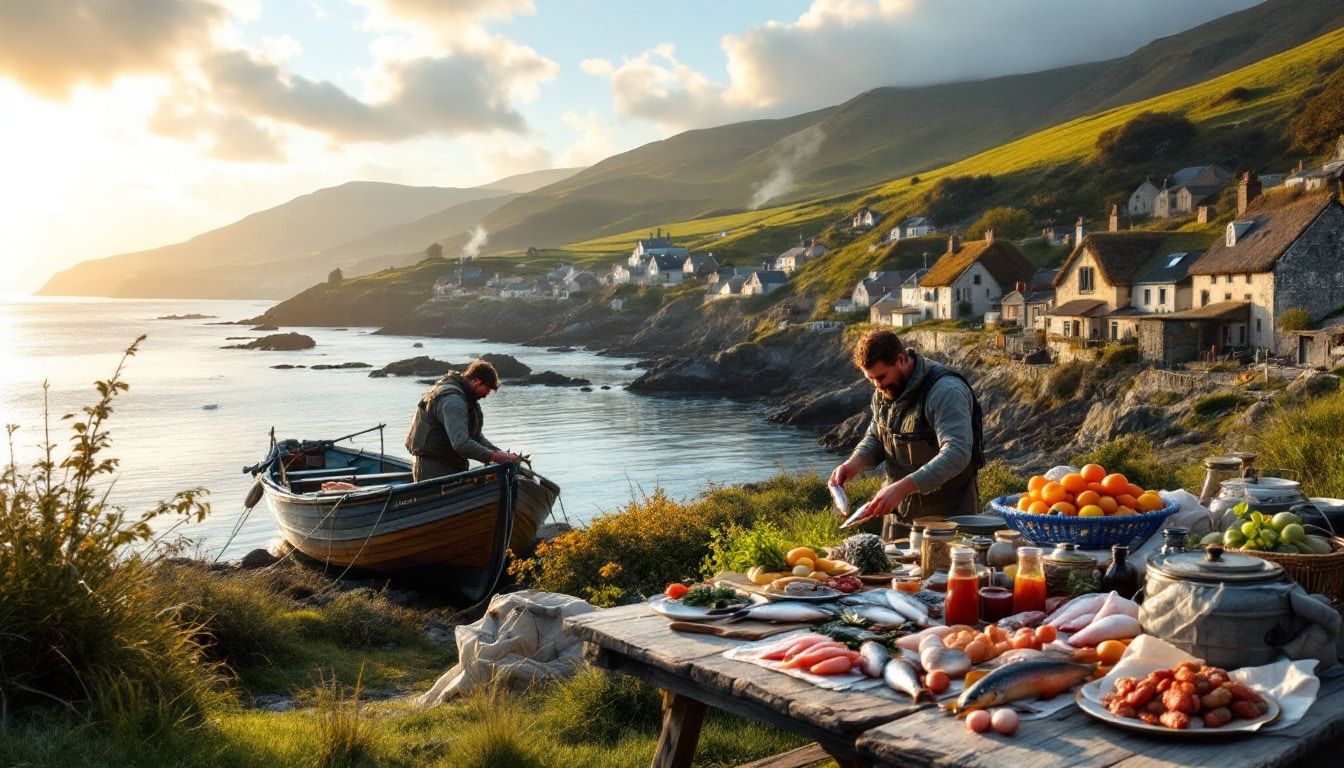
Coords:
1115,484
1034,495
1110,651
1073,483
1092,473
1052,492
1023,502
1091,510
1108,504
1125,500
1086,497
1135,490
1064,508
1149,502
1038,508
1096,488
1125,511
1036,482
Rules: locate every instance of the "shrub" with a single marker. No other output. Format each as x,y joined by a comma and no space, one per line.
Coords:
1294,320
1218,404
595,706
363,618
82,626
1132,456
953,198
1008,223
1315,128
1148,136
241,619
997,479
1065,380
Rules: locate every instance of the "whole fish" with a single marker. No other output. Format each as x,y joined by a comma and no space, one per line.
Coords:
902,676
915,609
1076,607
1117,626
1039,678
857,516
873,656
1114,605
934,655
786,612
889,600
881,614
840,499
1023,619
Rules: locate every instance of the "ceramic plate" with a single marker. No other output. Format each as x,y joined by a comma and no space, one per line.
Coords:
678,612
1089,700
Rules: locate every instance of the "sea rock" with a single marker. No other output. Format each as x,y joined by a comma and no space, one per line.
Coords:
1313,384
285,342
549,379
257,558
507,366
340,366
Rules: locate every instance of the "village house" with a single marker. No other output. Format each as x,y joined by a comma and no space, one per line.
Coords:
763,282
726,287
699,266
1165,287
665,268
1283,251
1143,201
876,285
1092,289
971,278
798,255
1317,347
1025,307
1327,175
1184,190
865,219
911,226
620,274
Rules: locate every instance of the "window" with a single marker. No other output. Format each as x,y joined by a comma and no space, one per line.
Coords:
1227,297
1257,325
1248,278
1115,330
1247,297
1162,296
1213,279
1203,298
1147,296
1086,280
976,279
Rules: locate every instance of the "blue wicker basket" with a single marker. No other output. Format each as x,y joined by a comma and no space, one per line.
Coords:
1086,532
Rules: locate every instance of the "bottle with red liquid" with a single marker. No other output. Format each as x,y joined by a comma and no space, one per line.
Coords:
1029,584
962,604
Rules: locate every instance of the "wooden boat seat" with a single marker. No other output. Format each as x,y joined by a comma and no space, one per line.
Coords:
309,484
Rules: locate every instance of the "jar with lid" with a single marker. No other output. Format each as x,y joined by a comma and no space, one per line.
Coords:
1063,561
1120,576
1003,552
1029,584
980,546
1269,495
962,604
1216,470
935,551
1173,540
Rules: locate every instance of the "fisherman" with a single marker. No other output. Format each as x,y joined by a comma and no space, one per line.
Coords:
446,429
924,431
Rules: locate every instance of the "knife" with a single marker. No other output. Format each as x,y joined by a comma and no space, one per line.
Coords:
742,633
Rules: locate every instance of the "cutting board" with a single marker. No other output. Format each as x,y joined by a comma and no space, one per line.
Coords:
746,630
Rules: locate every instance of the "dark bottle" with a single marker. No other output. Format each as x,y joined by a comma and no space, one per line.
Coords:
1120,575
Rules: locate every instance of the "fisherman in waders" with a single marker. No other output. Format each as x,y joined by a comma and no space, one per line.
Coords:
925,432
446,429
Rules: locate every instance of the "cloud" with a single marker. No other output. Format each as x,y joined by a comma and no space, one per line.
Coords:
51,47
506,160
593,144
789,154
838,48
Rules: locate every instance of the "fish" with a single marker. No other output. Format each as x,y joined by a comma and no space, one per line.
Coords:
840,499
1117,626
881,614
1023,619
901,675
1077,622
912,642
915,609
1040,678
1114,605
785,612
857,516
873,656
934,655
1076,607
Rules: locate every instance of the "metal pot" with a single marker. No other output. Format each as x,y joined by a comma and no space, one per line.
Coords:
1230,609
1269,495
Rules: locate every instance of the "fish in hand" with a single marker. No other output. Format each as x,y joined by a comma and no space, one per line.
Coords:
840,499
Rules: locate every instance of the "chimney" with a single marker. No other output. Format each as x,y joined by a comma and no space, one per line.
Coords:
953,243
1204,214
1079,230
1020,287
1247,190
1115,218
989,236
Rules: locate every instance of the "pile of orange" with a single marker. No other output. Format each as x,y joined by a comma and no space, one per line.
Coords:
1089,492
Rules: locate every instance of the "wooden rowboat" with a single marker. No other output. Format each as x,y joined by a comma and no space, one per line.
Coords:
359,511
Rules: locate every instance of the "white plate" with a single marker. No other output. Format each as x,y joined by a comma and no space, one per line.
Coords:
1089,700
678,612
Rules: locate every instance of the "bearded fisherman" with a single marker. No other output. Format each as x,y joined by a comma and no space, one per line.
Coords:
446,429
924,432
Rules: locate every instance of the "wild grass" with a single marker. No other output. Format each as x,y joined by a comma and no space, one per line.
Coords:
1134,457
1306,440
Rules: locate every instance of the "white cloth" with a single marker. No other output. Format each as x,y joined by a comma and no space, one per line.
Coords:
519,640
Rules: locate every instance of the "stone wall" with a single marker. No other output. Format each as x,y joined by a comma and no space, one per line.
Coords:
1308,275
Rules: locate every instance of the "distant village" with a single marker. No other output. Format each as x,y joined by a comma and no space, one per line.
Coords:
1282,252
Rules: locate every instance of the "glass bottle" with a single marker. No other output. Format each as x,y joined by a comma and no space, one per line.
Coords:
1029,584
962,604
935,550
1120,575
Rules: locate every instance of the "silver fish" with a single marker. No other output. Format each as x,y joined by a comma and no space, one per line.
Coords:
902,676
786,612
873,657
866,597
881,614
840,499
915,609
858,515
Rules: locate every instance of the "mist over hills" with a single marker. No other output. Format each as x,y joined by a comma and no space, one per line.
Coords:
878,136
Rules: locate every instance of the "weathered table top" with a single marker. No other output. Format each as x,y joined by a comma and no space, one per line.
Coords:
881,727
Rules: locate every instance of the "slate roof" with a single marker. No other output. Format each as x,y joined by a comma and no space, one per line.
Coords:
1279,219
1029,297
1168,268
1119,255
1079,308
1223,310
1006,264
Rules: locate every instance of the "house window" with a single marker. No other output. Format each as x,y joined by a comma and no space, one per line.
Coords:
1257,325
975,279
1227,297
1115,330
1147,296
1248,278
1162,296
1213,279
1241,335
1086,280
1247,297
1203,298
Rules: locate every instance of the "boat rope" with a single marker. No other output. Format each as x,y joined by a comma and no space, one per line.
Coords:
386,503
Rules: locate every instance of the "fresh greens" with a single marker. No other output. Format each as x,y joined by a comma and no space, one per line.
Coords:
709,596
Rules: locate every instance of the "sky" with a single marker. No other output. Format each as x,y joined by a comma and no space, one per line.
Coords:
132,124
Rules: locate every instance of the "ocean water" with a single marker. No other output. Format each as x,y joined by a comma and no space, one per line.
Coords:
196,413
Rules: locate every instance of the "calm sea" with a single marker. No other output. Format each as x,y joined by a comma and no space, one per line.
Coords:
196,413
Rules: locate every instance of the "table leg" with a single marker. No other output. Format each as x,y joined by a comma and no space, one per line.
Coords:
682,717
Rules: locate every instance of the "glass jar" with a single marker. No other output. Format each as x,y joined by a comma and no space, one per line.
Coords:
1173,540
1216,470
995,603
935,551
1003,552
962,604
1063,561
1120,576
980,546
1029,583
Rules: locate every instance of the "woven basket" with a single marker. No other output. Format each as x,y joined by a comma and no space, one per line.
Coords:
1086,532
1317,574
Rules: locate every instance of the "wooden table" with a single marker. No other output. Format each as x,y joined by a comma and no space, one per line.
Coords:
882,728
